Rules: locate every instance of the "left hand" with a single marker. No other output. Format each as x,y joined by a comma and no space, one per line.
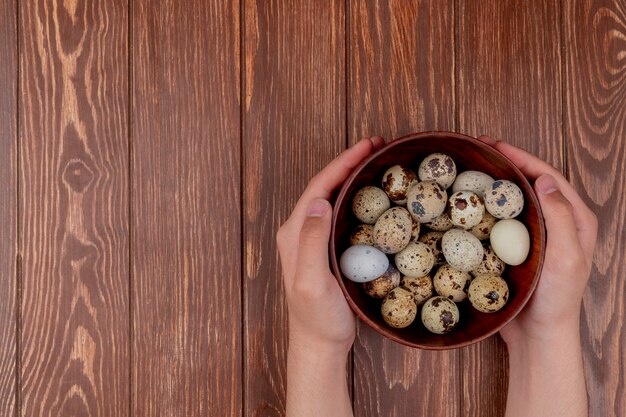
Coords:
319,316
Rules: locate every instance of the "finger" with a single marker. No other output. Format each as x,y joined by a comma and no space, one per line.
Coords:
312,264
487,139
325,182
377,141
533,168
558,213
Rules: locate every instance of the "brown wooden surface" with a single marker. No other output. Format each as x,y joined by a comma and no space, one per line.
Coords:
595,133
74,206
400,80
294,123
185,208
8,207
162,143
509,86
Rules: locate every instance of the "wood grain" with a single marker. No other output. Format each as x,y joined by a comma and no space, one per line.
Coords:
595,129
8,207
294,125
509,86
401,80
74,204
185,204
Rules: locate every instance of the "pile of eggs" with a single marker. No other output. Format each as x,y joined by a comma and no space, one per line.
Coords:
435,239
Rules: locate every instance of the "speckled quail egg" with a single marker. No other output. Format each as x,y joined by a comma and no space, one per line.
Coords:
398,308
396,182
510,240
433,240
504,199
452,283
490,264
465,209
483,229
363,263
363,234
415,260
426,200
415,231
488,293
420,287
381,286
392,231
462,249
474,181
369,203
440,315
440,223
438,167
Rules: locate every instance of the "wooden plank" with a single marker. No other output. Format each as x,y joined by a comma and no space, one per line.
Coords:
74,201
294,124
185,204
8,206
509,86
401,80
595,128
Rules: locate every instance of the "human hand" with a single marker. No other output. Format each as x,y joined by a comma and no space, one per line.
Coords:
571,237
319,316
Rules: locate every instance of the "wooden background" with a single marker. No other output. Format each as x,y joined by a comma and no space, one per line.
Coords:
150,149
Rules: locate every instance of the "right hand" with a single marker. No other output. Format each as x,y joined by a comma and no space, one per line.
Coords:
571,237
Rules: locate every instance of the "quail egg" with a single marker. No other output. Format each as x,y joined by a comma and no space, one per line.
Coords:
474,181
415,260
504,199
426,200
462,249
488,293
369,203
483,229
396,182
510,241
363,263
420,287
465,209
438,167
433,240
362,234
415,231
440,223
381,286
452,283
398,308
490,264
392,231
440,315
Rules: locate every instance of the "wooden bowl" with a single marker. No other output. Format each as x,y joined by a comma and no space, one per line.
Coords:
468,154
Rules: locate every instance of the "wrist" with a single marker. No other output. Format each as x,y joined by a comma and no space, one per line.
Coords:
318,350
560,342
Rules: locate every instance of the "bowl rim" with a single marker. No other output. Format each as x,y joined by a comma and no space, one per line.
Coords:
341,196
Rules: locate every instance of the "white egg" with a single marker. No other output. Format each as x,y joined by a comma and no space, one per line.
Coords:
510,241
363,263
474,181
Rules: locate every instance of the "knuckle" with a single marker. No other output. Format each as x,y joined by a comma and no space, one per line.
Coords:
280,234
563,208
593,220
305,289
311,232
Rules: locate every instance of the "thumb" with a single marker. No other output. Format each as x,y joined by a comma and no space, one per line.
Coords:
558,214
314,235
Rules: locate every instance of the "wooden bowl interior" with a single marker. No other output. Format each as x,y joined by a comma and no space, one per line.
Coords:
469,154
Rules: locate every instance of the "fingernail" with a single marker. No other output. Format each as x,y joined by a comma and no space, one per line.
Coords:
487,139
546,184
318,208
